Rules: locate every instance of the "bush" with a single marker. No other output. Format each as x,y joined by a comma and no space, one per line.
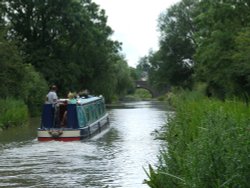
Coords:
208,145
33,89
142,94
13,113
19,80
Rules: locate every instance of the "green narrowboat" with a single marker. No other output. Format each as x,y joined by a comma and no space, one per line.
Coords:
71,120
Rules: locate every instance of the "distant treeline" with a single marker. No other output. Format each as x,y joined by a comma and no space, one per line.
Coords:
203,41
66,43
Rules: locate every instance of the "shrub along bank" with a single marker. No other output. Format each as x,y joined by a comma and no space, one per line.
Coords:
208,145
12,113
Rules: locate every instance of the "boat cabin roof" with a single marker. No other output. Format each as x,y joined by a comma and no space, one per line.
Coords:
82,100
88,100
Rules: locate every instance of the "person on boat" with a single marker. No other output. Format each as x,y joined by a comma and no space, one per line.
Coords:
52,96
71,100
84,93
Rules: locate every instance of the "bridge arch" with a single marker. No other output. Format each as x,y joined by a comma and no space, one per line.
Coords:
147,86
146,90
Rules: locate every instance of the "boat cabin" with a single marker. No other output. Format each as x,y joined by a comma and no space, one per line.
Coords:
73,114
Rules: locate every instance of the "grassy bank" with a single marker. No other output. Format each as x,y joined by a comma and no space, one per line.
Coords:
138,95
12,113
208,145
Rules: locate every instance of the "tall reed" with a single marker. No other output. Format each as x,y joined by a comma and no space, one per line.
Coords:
12,113
208,145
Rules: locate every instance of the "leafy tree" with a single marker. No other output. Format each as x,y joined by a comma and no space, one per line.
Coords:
134,73
11,72
143,67
241,66
33,87
117,81
219,37
157,77
173,63
2,22
18,80
204,41
123,78
67,41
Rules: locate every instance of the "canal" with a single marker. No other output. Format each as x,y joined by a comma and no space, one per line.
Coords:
114,159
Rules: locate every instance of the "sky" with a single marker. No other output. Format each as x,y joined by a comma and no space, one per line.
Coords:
134,23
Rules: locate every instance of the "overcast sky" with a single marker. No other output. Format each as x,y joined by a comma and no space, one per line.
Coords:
135,24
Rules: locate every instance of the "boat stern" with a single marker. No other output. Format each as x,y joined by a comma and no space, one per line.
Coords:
58,135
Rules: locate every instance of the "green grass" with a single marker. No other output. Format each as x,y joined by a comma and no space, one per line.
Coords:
208,145
12,113
139,95
142,94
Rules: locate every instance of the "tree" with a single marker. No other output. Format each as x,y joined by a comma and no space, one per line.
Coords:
218,25
134,73
143,67
173,63
123,78
241,64
11,72
67,41
18,80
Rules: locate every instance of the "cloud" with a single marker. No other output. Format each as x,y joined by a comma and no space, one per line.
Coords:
135,24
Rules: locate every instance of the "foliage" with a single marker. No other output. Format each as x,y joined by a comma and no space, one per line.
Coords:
221,26
204,41
173,63
208,145
134,73
143,68
123,78
68,42
207,140
33,89
241,65
11,68
12,113
142,94
20,80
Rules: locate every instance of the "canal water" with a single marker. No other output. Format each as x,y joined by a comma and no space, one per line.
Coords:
116,158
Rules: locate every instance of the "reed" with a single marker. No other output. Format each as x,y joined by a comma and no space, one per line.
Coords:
207,145
12,113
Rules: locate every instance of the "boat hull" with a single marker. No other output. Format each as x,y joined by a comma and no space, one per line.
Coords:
62,139
61,134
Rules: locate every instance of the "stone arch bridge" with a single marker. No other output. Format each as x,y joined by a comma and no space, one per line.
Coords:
154,92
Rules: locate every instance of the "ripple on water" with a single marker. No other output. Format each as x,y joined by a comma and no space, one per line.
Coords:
114,159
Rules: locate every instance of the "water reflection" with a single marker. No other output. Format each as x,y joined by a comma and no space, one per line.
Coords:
114,159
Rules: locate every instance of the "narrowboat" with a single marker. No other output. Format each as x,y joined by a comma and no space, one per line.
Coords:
72,120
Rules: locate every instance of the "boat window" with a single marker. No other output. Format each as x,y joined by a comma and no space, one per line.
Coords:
93,110
91,113
87,113
81,116
102,108
99,109
96,111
